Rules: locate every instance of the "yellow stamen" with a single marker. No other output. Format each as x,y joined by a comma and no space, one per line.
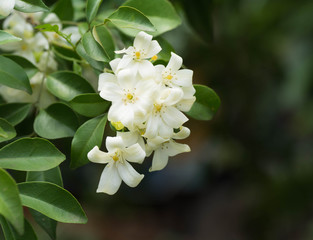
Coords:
155,57
158,107
137,54
117,125
55,35
169,77
115,157
24,47
129,96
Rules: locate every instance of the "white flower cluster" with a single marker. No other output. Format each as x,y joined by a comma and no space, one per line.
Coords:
34,46
148,101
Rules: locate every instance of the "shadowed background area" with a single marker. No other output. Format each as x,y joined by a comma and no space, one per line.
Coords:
249,175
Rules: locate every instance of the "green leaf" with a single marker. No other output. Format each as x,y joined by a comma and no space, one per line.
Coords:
29,67
206,105
87,136
130,21
53,176
11,234
30,6
161,13
7,131
13,75
10,202
7,37
14,112
57,121
30,154
65,52
93,48
92,9
103,36
95,64
52,201
89,105
67,85
64,9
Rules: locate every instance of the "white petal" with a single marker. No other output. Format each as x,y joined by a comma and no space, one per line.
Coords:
126,78
146,69
186,104
175,148
142,41
175,63
129,174
134,153
114,64
171,96
129,138
184,78
97,156
110,180
6,7
165,131
124,62
110,91
159,160
127,115
121,51
104,78
113,143
152,126
182,134
173,117
154,49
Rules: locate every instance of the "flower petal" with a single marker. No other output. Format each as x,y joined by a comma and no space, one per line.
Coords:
171,96
159,160
184,78
175,63
114,64
175,148
134,153
110,180
6,7
182,134
105,78
146,69
173,117
153,49
113,143
129,174
97,156
142,41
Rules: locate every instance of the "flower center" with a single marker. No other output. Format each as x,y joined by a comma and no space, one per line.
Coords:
115,157
157,107
137,54
169,77
24,47
129,96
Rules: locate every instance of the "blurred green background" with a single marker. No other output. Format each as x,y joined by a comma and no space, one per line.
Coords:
249,175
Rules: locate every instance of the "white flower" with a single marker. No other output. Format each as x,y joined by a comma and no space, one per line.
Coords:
166,148
40,93
131,98
165,116
188,99
118,167
6,7
31,45
172,76
135,56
